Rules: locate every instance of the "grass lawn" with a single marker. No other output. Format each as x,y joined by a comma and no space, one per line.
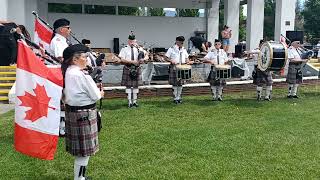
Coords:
238,138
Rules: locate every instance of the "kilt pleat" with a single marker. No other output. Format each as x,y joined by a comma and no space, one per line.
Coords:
294,74
81,135
262,77
128,81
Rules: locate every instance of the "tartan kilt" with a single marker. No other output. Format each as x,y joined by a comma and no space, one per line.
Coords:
262,77
294,74
126,79
173,77
81,136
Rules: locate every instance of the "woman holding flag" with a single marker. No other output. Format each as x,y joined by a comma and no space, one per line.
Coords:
80,96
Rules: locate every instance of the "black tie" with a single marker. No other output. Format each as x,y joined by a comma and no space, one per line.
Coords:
132,54
218,57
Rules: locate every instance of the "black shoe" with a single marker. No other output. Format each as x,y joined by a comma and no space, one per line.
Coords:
267,99
219,98
179,101
289,96
259,98
214,99
175,101
130,105
135,105
295,97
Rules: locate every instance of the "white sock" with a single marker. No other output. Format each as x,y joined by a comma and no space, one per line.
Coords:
214,91
220,88
179,92
290,89
135,95
259,91
268,91
129,92
79,163
295,89
175,92
62,126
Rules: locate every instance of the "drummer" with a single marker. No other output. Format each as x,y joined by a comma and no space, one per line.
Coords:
216,57
177,54
260,77
294,77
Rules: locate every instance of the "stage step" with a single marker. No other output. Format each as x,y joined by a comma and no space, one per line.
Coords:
4,91
4,99
7,73
7,78
8,67
6,84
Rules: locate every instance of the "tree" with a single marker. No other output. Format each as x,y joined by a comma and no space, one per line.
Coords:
242,25
124,10
157,12
311,14
188,12
269,19
299,17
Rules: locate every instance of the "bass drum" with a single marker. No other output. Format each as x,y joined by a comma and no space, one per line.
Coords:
274,56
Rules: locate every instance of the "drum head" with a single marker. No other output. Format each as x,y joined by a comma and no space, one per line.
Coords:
183,66
222,67
265,57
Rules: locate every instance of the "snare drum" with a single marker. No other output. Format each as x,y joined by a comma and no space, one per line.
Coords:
223,71
183,71
274,56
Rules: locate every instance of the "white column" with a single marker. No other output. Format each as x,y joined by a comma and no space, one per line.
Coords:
213,20
16,11
231,19
285,16
4,10
255,18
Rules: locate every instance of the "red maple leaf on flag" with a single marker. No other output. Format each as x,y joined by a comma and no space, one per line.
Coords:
39,103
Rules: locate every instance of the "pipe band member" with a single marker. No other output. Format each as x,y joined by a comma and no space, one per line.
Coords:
216,57
62,30
177,54
261,78
131,76
80,97
294,77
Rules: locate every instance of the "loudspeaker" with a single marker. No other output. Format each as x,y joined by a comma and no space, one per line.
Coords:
239,49
116,49
291,35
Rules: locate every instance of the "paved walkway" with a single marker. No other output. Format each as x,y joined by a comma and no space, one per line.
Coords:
5,108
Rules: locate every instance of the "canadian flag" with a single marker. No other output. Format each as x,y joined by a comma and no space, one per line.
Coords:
42,34
37,110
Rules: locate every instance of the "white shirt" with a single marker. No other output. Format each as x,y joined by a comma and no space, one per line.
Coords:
80,89
175,54
213,56
255,55
57,45
293,54
125,53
